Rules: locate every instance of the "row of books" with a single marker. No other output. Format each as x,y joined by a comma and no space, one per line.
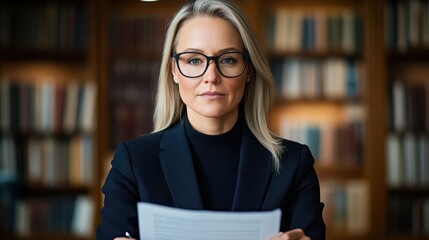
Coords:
308,78
299,30
47,106
48,161
63,214
407,160
330,144
346,206
408,214
408,106
137,34
132,97
407,25
51,26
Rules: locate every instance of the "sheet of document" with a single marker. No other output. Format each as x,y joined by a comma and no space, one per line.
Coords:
165,223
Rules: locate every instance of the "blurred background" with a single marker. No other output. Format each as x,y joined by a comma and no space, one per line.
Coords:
77,77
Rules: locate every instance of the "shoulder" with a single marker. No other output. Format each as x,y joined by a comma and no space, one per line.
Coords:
150,144
147,141
292,147
296,154
144,145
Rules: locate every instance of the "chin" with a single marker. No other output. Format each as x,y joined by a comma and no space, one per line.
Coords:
215,114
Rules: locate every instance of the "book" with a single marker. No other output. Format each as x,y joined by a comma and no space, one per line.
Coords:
394,157
398,105
357,212
390,24
5,103
423,160
47,106
82,217
71,106
348,32
8,159
35,161
401,27
5,25
86,121
14,106
425,24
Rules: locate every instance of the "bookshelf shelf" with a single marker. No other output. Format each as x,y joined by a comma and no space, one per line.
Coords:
406,236
325,4
339,101
80,2
37,190
409,190
42,54
57,134
340,172
414,55
137,55
349,237
311,54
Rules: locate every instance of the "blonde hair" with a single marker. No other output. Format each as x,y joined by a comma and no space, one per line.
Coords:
259,94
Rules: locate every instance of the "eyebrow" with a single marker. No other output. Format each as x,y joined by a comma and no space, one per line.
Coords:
223,50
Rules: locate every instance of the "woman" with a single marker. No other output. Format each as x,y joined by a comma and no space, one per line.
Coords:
211,148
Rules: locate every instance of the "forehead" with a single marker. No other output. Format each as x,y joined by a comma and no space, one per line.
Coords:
208,34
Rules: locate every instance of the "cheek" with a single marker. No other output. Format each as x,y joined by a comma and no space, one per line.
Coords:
186,88
238,90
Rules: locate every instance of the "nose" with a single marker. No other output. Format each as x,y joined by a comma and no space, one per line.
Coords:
212,75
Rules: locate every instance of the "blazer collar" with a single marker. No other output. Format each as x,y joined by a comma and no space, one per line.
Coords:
254,173
178,167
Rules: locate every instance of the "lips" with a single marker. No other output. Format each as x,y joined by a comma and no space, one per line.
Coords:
212,95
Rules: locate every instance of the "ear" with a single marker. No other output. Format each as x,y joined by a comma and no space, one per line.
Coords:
174,71
250,74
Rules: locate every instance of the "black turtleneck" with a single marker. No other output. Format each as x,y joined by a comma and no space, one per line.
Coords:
216,159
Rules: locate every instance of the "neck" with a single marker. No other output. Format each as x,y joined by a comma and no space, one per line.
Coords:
212,125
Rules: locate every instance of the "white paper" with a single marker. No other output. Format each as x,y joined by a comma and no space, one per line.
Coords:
158,222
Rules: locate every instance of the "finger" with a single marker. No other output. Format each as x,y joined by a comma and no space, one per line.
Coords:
294,234
277,237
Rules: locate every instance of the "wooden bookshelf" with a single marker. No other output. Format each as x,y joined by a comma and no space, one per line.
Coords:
407,58
109,53
322,99
48,79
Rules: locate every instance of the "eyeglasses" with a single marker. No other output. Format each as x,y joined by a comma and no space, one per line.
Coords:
195,64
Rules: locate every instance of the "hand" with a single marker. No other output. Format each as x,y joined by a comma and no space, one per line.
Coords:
296,234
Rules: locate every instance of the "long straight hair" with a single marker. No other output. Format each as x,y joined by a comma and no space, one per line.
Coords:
259,94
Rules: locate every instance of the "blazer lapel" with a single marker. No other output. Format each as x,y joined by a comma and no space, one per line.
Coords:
178,167
254,174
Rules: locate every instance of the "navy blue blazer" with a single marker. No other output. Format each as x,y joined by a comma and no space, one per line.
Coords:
158,168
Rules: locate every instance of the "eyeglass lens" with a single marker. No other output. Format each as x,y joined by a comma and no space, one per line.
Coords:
192,64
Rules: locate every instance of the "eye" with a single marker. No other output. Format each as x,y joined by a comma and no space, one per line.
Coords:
227,60
196,60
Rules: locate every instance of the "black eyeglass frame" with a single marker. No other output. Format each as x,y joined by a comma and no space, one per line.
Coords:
245,54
